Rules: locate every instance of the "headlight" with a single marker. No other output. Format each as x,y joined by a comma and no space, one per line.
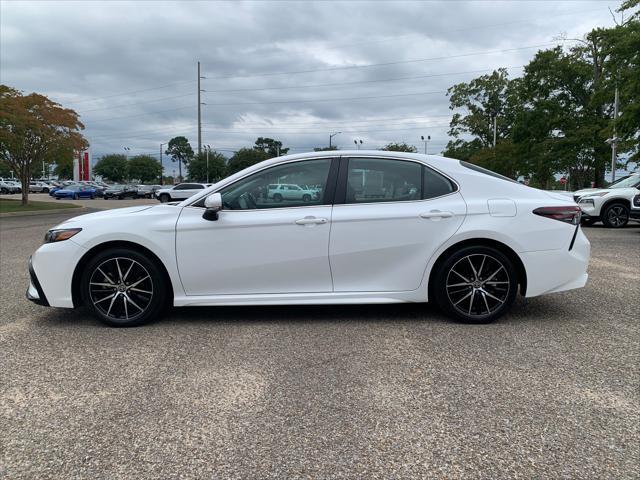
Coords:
594,195
587,201
60,234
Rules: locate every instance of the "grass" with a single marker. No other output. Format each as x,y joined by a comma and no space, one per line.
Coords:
7,205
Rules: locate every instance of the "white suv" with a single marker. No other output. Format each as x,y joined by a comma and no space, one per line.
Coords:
182,191
290,191
610,205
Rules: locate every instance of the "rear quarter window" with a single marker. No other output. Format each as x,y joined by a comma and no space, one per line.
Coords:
476,168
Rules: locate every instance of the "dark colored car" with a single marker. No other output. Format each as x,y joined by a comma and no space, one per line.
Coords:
148,191
75,192
121,192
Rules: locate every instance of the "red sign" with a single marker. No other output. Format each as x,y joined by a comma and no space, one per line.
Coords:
563,180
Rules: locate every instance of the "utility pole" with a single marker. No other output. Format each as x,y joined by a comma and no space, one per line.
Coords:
614,140
495,130
161,166
199,115
426,142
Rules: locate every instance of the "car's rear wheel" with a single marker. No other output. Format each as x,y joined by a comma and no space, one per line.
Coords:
164,198
76,196
45,190
476,284
306,198
615,215
123,288
277,197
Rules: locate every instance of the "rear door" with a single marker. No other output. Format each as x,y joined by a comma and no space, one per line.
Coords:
390,216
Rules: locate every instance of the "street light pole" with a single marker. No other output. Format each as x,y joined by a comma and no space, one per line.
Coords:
426,142
207,149
331,136
126,152
161,166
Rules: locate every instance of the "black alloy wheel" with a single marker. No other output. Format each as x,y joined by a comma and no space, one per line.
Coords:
476,284
615,215
124,288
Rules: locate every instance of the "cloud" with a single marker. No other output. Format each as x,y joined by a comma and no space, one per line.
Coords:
129,69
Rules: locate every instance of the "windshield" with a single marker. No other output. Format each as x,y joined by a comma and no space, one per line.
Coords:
627,182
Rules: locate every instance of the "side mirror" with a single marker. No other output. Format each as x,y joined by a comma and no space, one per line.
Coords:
212,205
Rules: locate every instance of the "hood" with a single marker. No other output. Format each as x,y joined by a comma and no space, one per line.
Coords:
584,191
116,212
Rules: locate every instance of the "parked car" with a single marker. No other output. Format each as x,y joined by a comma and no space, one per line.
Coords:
180,191
467,238
635,208
610,205
148,191
7,186
280,192
39,187
75,192
121,192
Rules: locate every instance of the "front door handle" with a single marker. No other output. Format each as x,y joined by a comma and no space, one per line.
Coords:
436,215
311,221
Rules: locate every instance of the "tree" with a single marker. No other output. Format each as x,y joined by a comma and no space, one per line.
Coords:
31,128
144,168
64,168
399,147
245,157
217,167
273,148
112,167
5,170
325,149
180,151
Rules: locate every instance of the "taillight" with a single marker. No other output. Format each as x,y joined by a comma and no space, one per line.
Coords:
569,214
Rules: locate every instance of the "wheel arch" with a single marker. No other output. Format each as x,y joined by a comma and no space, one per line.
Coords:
624,201
77,272
481,242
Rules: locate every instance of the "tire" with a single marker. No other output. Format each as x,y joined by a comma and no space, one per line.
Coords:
277,197
490,290
306,198
92,197
588,222
140,298
615,215
76,196
164,198
45,190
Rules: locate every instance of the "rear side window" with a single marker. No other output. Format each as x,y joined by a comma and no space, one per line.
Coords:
435,184
383,180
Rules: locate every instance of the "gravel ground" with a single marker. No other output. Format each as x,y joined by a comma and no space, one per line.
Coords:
550,391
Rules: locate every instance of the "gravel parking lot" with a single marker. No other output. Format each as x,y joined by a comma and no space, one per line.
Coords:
550,391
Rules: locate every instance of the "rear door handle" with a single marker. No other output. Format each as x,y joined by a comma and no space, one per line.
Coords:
311,221
436,215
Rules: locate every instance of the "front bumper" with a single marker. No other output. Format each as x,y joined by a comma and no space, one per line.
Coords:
34,291
634,214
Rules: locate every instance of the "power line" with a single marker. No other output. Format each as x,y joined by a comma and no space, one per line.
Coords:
137,103
129,93
370,65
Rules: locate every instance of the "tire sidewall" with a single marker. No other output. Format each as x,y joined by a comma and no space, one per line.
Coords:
605,215
158,301
439,289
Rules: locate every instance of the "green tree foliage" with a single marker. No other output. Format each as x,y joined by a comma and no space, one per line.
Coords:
399,147
217,167
144,168
325,149
271,147
557,117
180,151
245,157
112,167
31,128
5,170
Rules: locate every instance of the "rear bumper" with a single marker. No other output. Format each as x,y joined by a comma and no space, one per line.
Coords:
550,271
34,291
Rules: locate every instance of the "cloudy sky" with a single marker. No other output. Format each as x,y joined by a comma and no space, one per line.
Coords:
295,71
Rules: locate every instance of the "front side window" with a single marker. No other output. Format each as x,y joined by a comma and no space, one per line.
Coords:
267,188
383,180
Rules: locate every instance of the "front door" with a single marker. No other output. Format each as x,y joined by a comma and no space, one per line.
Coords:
394,215
259,245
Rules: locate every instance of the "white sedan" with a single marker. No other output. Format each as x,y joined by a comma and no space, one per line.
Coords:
388,227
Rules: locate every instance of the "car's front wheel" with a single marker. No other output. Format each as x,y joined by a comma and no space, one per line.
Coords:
124,288
615,215
164,198
476,284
